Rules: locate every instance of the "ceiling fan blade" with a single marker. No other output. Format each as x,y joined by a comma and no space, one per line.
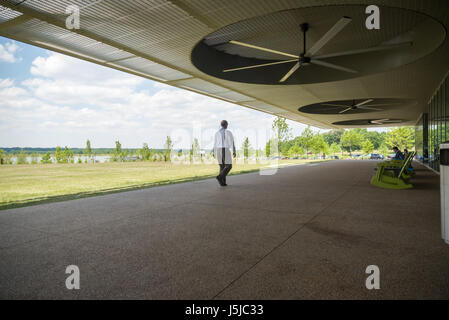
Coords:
385,121
335,105
346,110
384,104
292,70
368,108
343,22
259,65
364,102
373,49
332,66
332,108
263,49
391,121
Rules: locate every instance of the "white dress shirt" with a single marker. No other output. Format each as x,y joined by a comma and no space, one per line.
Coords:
224,139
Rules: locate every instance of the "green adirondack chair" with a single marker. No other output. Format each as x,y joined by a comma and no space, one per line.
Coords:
399,163
394,175
408,173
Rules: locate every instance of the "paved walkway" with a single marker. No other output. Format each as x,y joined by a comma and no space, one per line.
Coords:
307,232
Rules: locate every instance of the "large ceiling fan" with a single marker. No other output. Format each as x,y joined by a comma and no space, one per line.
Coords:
364,105
308,55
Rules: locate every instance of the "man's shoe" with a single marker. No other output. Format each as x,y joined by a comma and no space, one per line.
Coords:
219,181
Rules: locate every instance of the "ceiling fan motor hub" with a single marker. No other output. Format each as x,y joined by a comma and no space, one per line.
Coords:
304,27
303,59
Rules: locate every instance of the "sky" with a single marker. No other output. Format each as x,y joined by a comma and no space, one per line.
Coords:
48,99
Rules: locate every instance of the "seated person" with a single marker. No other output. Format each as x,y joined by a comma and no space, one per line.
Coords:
410,168
398,155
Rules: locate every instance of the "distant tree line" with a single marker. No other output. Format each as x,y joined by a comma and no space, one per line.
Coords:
336,141
87,155
281,144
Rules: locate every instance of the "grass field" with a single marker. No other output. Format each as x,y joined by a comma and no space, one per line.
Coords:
30,184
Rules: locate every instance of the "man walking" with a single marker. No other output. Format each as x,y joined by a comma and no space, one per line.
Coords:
224,141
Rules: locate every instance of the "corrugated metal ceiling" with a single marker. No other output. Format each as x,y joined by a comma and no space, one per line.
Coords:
154,38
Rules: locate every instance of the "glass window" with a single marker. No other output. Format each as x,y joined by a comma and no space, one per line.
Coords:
438,122
430,133
419,139
434,132
446,100
426,136
440,118
443,111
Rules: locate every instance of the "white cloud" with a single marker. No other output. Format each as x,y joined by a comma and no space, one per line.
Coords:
8,52
6,83
71,70
68,101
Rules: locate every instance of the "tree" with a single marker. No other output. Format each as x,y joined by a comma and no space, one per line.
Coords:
334,148
306,139
67,155
318,144
281,130
117,151
123,155
88,150
2,157
285,148
295,151
59,155
21,157
272,148
118,147
46,158
333,136
145,153
259,154
401,137
246,146
376,138
195,151
367,147
34,158
168,148
268,149
352,140
384,149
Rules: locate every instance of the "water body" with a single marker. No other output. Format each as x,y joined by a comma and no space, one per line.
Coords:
98,159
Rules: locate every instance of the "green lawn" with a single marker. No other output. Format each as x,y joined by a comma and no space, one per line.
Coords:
30,184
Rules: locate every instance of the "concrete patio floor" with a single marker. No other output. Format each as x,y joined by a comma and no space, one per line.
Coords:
308,232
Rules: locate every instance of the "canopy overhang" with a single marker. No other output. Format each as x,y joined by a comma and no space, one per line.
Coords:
155,39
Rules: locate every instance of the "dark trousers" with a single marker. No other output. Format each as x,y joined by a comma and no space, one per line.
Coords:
225,161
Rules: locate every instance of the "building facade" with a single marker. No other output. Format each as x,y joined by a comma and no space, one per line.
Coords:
432,129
